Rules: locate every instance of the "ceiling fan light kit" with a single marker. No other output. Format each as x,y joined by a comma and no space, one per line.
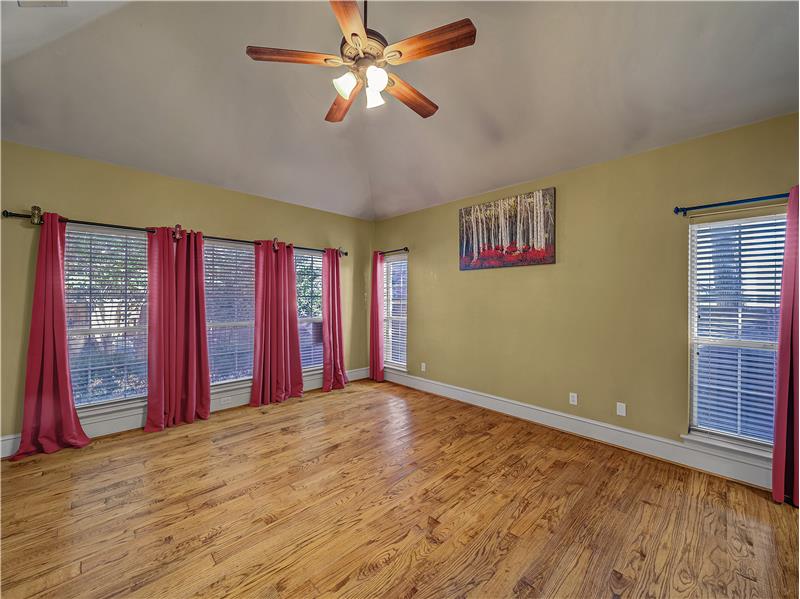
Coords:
374,98
366,54
345,84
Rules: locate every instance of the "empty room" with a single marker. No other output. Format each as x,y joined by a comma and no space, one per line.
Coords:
375,299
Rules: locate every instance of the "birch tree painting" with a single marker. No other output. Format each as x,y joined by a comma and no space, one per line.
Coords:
515,231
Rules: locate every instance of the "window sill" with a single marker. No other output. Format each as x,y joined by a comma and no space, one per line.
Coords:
741,449
226,386
115,405
395,367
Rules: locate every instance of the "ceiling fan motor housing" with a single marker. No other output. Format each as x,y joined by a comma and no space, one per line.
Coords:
371,48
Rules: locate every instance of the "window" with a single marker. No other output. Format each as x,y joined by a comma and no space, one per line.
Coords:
105,278
308,268
734,287
395,310
230,296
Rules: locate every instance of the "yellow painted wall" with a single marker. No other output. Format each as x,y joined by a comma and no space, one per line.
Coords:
609,319
89,190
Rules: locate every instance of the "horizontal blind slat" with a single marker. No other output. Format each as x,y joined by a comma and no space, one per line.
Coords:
105,282
734,284
396,310
308,272
230,300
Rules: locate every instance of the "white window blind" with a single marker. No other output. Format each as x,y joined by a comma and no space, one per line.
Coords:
308,268
105,278
395,310
734,287
230,296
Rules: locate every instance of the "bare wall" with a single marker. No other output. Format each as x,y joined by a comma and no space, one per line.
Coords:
608,320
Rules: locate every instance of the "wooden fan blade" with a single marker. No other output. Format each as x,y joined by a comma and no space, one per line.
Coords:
340,106
298,56
442,39
411,97
349,18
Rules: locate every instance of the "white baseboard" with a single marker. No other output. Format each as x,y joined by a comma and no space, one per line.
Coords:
357,374
753,470
115,417
8,445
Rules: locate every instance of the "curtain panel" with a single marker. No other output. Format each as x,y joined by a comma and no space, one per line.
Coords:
277,371
376,319
49,421
784,449
334,375
178,378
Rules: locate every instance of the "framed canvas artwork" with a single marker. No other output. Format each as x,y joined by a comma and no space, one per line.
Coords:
514,231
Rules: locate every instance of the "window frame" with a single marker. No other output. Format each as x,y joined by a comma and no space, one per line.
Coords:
125,403
89,331
227,324
387,318
705,435
310,319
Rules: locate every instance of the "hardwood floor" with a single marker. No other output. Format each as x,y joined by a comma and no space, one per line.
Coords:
382,491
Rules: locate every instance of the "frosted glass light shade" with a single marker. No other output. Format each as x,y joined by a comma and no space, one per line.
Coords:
374,98
345,84
377,78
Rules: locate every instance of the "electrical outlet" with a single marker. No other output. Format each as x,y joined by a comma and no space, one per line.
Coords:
621,409
573,399
423,366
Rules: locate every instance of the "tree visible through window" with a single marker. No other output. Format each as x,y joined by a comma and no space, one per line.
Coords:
308,269
229,277
105,278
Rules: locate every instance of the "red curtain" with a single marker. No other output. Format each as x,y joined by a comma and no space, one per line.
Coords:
784,452
376,319
49,421
334,375
277,372
179,384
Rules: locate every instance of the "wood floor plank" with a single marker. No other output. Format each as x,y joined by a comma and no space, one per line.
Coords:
381,491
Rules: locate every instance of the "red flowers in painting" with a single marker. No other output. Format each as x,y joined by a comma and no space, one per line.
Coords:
495,257
514,231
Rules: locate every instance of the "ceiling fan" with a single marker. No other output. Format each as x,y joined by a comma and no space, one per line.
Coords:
366,53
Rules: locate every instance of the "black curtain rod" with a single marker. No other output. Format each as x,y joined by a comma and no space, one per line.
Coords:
685,209
8,214
403,249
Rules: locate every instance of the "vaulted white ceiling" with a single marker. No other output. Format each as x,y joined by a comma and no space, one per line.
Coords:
28,27
166,87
